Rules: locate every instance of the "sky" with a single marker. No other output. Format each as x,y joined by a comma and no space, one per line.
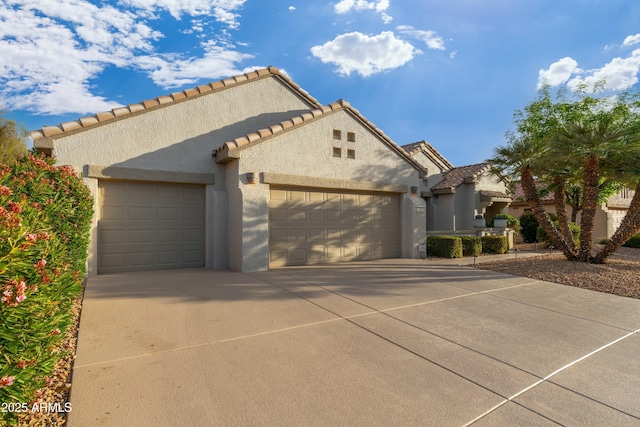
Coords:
451,72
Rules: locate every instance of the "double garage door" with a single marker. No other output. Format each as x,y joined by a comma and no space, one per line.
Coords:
148,226
309,227
145,226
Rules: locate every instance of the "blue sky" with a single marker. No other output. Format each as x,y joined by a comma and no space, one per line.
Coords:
450,72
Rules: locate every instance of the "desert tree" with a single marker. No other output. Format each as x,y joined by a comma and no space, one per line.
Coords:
588,145
12,140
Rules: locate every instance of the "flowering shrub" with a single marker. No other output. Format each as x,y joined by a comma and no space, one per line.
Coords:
45,217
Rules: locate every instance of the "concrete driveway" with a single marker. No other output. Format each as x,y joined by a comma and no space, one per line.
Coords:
392,342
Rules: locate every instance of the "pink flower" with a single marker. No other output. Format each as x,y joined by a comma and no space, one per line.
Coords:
40,264
14,292
15,207
22,364
55,332
31,237
6,381
5,191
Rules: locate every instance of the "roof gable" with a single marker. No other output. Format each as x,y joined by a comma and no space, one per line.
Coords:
432,154
230,150
84,123
458,176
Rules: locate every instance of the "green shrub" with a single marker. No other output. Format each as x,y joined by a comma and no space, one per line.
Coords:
603,241
45,217
444,246
543,237
495,244
471,245
528,227
633,242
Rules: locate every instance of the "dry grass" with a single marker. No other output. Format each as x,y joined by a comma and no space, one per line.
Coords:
619,276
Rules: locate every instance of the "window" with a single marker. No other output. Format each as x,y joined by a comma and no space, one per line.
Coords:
337,152
351,154
337,134
351,136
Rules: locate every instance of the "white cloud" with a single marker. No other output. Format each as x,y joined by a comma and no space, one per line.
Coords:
618,74
431,38
52,49
366,55
222,10
292,8
171,70
558,73
631,40
380,6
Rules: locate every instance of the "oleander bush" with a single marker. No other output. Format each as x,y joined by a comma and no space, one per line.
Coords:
495,244
471,245
633,242
444,246
45,217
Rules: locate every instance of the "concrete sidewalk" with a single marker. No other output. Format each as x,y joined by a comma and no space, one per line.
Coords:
388,342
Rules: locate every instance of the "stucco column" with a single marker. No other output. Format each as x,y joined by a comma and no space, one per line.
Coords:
255,227
414,219
92,258
216,228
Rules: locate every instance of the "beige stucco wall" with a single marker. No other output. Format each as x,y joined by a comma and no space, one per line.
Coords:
306,153
180,138
466,204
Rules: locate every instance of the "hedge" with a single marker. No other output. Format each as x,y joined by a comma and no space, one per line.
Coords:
495,244
444,246
471,245
633,242
45,217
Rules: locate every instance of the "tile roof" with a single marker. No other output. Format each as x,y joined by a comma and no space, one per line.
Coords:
519,196
231,150
458,176
494,195
161,101
428,150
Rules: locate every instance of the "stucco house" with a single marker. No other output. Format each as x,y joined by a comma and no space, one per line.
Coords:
609,214
246,173
455,195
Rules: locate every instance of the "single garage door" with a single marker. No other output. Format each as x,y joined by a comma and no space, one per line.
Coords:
316,226
149,226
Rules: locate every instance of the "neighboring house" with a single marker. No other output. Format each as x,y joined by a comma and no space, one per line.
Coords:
608,214
247,173
455,196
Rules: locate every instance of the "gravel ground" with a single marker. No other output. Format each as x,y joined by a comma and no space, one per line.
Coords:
619,276
58,385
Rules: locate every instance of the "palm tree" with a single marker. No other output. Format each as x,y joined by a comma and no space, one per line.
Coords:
588,143
519,158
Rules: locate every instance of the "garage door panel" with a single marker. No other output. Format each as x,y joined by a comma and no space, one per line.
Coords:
142,236
328,226
140,259
150,226
115,213
137,213
194,235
